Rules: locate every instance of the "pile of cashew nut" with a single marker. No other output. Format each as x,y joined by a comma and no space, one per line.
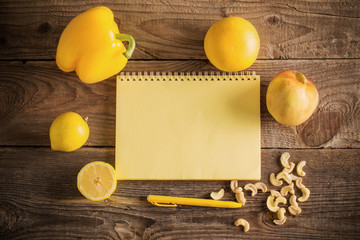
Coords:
276,197
279,197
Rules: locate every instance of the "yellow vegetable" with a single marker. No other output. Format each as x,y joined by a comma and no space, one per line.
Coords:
96,181
68,132
92,46
232,44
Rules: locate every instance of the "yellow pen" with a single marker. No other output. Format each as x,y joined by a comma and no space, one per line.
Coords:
166,201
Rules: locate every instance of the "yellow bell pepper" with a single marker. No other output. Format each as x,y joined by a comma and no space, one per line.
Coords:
92,46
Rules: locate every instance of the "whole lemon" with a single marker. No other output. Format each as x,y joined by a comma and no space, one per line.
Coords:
68,132
232,44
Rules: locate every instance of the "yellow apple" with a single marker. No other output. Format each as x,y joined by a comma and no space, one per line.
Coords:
291,98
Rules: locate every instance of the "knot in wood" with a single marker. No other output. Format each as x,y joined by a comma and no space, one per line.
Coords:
321,128
12,99
44,27
8,217
273,20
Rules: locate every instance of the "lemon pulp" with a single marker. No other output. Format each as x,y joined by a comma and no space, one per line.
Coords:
96,181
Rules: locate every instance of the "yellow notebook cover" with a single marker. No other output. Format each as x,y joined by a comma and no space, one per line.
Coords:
187,126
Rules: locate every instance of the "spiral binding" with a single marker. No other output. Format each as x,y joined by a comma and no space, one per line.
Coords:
188,76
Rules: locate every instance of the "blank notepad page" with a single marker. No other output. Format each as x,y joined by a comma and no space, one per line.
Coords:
188,127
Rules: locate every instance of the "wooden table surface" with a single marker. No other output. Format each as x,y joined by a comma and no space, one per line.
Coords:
38,194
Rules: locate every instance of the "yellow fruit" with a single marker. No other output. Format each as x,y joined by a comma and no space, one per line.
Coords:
291,98
96,181
232,44
68,132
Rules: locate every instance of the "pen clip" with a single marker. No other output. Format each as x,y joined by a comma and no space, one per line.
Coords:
164,204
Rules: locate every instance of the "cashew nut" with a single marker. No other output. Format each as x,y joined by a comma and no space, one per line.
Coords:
261,186
290,169
280,221
293,201
274,181
299,168
284,159
281,213
238,190
234,185
252,188
293,210
285,176
281,217
280,200
244,223
299,183
305,194
270,203
292,177
285,190
217,195
275,193
239,195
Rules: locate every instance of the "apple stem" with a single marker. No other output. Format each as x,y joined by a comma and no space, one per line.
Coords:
300,77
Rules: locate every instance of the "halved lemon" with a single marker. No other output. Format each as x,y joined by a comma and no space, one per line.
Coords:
96,181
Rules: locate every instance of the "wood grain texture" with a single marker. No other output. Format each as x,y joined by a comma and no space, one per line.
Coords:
38,194
39,200
176,29
34,93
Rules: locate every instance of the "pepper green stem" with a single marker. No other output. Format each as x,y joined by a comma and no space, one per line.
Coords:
127,38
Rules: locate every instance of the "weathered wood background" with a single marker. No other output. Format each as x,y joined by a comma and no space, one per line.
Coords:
38,194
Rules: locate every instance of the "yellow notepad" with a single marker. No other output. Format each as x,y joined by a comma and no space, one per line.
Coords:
188,126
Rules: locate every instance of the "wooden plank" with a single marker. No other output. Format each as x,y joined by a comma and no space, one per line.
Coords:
27,116
39,200
176,29
33,94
